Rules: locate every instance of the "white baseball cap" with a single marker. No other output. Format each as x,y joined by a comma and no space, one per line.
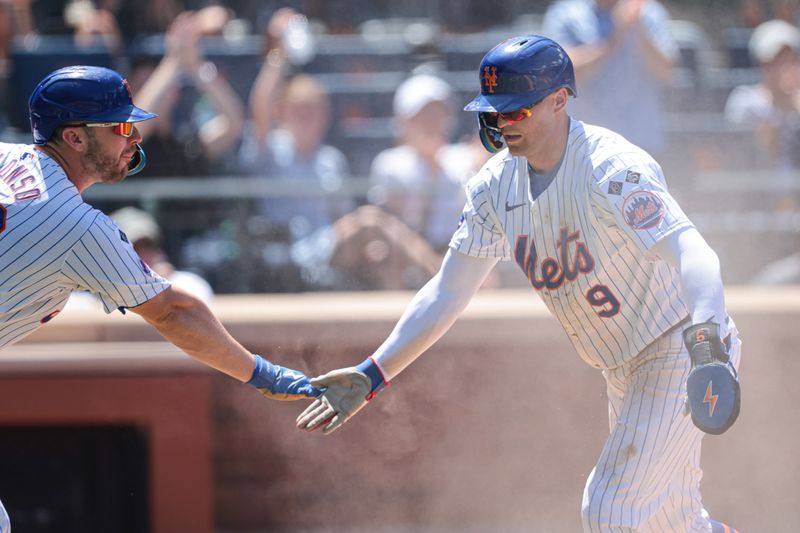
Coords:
770,37
417,92
136,224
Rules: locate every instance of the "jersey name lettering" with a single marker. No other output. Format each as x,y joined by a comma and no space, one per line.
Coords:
553,272
20,181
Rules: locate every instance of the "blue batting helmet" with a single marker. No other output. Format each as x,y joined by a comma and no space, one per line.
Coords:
81,94
517,73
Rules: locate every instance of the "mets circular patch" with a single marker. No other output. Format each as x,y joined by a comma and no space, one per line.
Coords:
643,210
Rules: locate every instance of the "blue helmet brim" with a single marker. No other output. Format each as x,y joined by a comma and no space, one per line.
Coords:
129,113
499,103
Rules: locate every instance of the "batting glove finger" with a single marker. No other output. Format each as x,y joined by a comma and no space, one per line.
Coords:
318,412
323,415
335,423
345,394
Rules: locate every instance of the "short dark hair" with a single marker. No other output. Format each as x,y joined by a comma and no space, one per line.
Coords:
56,136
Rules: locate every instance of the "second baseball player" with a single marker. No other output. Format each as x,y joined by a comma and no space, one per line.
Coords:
588,218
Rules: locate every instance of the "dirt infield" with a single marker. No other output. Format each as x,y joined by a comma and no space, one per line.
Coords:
495,429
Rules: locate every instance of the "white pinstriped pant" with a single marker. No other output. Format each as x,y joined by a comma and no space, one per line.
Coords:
647,479
5,523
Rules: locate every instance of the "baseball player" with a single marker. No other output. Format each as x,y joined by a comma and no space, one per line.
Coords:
588,218
52,242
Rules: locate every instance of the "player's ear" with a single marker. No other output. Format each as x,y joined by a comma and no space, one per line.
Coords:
75,138
560,99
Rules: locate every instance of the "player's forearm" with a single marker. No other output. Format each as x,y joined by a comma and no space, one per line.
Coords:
702,283
190,325
200,335
432,311
424,321
699,269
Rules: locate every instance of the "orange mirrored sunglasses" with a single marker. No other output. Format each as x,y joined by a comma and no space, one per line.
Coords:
124,129
513,116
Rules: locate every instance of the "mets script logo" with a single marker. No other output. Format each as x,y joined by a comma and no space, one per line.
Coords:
643,210
489,78
574,258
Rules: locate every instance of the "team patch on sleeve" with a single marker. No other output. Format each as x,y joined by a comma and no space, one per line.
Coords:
633,177
643,210
615,187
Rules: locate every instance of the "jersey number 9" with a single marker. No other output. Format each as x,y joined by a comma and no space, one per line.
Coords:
603,300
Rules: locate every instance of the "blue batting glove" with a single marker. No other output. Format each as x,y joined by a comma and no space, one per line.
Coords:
281,383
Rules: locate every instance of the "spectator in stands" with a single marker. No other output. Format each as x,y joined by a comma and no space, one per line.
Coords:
91,22
93,25
48,17
194,132
623,55
772,106
139,18
318,240
15,21
284,142
754,12
421,180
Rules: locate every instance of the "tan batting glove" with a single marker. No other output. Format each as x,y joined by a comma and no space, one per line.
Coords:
346,391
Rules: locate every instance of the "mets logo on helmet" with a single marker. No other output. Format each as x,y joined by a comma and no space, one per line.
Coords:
127,88
643,210
489,78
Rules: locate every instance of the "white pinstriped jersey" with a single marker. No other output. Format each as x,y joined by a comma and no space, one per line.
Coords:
583,242
53,243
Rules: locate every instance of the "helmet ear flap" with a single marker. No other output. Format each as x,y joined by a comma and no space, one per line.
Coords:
490,135
138,161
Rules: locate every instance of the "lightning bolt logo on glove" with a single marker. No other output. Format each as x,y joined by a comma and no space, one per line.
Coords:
710,399
712,380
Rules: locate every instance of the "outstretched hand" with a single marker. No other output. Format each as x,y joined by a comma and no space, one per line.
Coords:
345,393
281,383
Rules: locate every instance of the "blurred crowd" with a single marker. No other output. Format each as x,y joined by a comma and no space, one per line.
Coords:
336,149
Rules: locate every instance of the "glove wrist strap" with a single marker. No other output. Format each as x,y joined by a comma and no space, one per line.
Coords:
262,378
704,344
378,381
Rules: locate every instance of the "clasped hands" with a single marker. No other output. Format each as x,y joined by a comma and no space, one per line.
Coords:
337,395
